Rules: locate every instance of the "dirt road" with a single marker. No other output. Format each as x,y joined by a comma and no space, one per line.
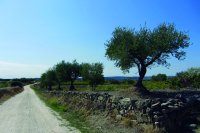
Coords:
26,113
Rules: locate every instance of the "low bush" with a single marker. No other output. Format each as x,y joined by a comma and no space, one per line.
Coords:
4,84
16,83
186,79
159,77
113,81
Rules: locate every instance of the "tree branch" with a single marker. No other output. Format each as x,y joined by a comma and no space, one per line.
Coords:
153,59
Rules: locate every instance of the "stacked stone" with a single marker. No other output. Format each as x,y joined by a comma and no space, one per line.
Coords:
161,112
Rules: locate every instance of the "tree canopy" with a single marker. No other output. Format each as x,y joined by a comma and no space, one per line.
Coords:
61,72
73,72
50,78
92,73
144,48
70,71
159,77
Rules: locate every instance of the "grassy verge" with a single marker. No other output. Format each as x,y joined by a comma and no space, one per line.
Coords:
76,118
156,85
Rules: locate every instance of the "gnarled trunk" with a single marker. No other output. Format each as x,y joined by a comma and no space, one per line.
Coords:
140,87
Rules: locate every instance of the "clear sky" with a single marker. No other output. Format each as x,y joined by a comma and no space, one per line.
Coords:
36,34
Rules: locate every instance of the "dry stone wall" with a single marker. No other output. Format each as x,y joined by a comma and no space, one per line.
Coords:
173,114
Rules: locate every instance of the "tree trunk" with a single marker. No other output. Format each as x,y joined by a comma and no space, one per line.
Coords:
59,88
139,86
93,87
72,88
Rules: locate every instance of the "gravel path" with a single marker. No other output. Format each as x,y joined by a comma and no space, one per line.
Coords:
26,113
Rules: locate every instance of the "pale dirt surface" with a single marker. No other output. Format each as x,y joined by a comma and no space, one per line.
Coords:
26,113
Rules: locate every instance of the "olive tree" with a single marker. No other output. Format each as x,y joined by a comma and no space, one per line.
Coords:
67,71
73,72
92,73
51,78
61,73
144,48
43,80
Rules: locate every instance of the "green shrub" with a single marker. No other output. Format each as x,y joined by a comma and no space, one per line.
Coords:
16,83
189,78
113,81
159,77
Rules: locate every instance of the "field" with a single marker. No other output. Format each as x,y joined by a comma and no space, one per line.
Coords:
115,86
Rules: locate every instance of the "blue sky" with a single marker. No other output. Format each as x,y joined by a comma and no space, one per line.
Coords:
36,34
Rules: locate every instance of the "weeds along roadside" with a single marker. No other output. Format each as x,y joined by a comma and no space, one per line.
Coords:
76,118
82,115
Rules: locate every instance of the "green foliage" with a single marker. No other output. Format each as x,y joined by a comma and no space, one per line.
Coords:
66,71
62,72
43,80
92,73
128,81
73,72
113,81
4,84
48,79
146,47
159,77
156,85
118,82
189,78
112,87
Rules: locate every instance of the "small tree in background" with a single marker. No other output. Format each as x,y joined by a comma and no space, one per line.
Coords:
43,80
51,78
92,73
144,48
61,73
66,71
16,84
73,72
159,77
